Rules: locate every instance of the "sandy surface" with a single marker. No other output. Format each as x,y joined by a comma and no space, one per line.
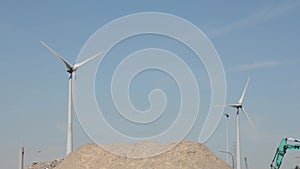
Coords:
185,155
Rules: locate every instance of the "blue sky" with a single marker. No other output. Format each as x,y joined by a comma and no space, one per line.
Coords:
254,39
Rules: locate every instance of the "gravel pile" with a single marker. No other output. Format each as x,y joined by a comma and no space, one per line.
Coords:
185,155
44,165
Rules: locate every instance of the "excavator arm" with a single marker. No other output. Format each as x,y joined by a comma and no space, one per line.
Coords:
281,150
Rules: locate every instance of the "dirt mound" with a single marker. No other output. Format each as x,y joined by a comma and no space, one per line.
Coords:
185,155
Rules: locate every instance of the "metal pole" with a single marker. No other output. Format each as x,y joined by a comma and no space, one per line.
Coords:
232,158
227,149
21,160
246,163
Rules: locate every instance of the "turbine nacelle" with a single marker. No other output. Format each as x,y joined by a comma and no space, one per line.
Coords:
237,106
70,71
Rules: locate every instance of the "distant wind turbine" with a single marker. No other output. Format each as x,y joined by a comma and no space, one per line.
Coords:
71,70
239,106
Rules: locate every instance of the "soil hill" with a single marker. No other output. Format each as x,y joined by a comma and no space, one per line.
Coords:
184,155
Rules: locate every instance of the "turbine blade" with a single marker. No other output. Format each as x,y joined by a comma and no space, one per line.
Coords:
68,65
248,118
77,65
244,92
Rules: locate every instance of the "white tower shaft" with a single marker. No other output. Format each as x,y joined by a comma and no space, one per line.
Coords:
69,130
21,160
238,148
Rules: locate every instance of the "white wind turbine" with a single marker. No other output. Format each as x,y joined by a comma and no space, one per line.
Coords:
71,70
239,106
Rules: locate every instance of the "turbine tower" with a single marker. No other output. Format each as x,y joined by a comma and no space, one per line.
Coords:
239,106
71,70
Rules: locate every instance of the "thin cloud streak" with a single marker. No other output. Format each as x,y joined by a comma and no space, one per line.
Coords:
257,65
260,16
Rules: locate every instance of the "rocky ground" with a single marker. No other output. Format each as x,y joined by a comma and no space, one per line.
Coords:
44,165
185,155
